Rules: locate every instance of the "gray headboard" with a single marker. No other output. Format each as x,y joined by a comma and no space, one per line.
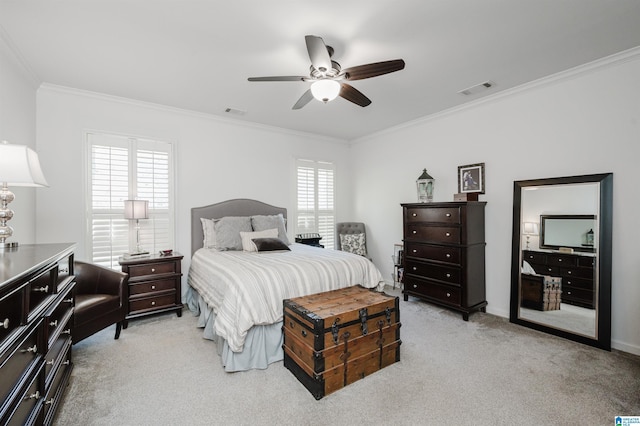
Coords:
237,207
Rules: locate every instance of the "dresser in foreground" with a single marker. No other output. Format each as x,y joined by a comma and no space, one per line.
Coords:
36,319
444,254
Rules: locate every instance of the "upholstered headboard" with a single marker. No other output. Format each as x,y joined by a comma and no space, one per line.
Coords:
236,207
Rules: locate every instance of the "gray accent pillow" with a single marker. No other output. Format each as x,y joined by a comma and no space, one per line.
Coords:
227,232
264,222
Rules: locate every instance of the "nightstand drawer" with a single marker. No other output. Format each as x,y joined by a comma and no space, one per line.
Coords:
152,269
152,303
151,287
434,214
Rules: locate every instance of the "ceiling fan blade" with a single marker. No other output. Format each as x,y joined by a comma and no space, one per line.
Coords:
318,53
279,78
304,99
373,70
352,94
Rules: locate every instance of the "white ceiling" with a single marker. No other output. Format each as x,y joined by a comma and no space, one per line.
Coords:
197,55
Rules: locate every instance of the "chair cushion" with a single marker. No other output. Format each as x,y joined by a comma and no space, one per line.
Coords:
353,243
94,305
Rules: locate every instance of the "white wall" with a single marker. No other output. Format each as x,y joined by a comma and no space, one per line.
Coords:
17,126
583,122
216,159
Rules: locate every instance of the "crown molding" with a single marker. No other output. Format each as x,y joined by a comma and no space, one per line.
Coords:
19,60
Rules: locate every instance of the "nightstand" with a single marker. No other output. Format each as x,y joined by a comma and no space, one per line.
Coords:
154,284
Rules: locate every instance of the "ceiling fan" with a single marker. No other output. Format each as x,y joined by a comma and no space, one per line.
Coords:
329,79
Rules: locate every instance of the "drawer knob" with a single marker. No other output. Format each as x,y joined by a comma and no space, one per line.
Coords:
153,303
568,292
153,287
41,289
414,214
33,349
414,250
549,269
50,362
415,286
49,402
448,275
569,272
153,269
54,323
448,234
34,395
68,300
448,215
5,323
559,260
568,282
447,255
415,268
448,294
67,331
414,232
67,362
304,333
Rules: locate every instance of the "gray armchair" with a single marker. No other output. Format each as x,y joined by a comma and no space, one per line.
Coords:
345,241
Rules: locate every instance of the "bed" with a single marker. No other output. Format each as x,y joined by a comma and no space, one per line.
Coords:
237,295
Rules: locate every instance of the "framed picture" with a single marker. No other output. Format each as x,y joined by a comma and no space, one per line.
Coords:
471,178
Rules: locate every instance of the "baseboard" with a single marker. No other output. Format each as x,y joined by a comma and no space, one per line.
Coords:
625,347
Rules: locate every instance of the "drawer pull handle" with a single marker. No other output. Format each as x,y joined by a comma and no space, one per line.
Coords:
559,260
68,300
569,282
447,255
153,303
415,268
448,234
448,215
415,251
414,214
448,294
5,323
50,362
41,289
414,232
54,323
549,269
34,395
415,286
67,362
568,292
569,272
153,269
49,402
67,331
448,275
33,349
153,287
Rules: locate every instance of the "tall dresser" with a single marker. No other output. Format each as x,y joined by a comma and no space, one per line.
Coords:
444,254
36,319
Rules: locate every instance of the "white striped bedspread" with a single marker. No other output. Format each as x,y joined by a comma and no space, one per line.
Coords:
247,288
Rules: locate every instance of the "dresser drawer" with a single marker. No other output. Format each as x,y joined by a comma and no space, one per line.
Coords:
26,411
433,214
151,287
10,312
17,360
434,234
560,260
57,354
587,262
535,257
436,253
154,303
443,293
578,283
152,269
55,384
572,293
432,271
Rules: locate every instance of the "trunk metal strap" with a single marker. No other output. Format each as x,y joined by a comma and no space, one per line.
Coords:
363,319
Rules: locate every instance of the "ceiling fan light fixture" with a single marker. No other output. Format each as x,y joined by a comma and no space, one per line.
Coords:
325,90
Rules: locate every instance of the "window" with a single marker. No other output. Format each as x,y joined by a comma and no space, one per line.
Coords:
122,168
315,210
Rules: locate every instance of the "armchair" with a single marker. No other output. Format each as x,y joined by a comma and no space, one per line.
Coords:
101,299
352,237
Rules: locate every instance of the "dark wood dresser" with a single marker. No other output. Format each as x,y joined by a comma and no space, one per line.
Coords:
576,271
444,254
154,284
36,319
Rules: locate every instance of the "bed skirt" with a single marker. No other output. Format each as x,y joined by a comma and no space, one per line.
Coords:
263,344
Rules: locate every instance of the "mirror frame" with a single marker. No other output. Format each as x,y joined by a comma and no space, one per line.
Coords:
605,211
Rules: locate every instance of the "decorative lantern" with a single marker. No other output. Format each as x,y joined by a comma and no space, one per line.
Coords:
425,187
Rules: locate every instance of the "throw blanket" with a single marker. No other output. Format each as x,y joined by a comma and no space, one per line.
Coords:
246,289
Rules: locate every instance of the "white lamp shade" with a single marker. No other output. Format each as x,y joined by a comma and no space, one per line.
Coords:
325,90
530,228
136,209
20,166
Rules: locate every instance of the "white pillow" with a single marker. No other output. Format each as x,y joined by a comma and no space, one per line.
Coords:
248,245
527,268
208,229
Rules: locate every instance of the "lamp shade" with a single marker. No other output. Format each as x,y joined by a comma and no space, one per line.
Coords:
530,228
325,90
20,166
136,209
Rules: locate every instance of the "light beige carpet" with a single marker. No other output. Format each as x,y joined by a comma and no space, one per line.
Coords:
482,372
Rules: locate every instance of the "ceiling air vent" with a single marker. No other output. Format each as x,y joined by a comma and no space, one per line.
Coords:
235,111
477,88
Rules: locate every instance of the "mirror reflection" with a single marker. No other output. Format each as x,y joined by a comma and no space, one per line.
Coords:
558,281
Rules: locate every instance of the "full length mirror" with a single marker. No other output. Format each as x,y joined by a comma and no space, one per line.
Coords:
561,257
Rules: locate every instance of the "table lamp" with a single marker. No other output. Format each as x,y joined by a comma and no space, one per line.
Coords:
137,209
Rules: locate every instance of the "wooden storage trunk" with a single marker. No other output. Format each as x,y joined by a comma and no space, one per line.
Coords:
334,338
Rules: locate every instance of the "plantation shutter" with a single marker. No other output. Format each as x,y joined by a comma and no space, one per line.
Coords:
315,200
124,168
